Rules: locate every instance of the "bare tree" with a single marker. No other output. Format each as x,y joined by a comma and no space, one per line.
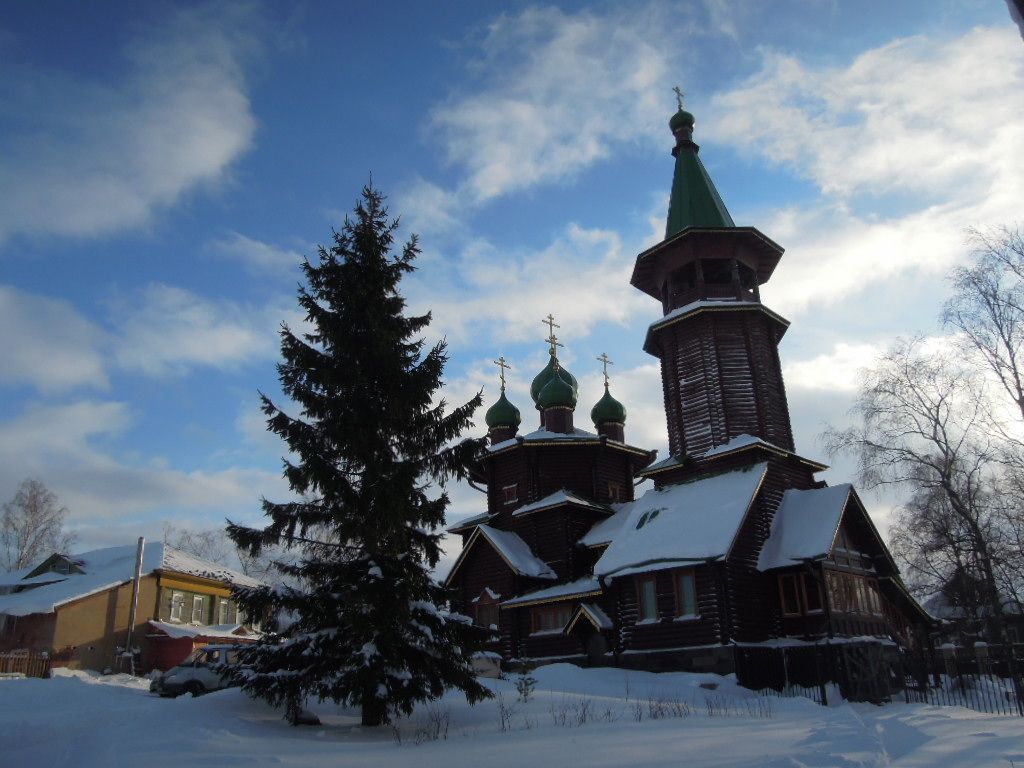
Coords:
213,544
32,526
987,308
923,419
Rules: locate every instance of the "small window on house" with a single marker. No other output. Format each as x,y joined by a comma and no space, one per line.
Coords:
197,609
614,491
511,493
789,591
686,594
551,618
224,612
648,597
177,605
812,593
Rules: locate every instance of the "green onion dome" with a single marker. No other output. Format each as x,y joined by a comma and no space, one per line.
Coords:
502,414
546,375
558,392
680,119
608,409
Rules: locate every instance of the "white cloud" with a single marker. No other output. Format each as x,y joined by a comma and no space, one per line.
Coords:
910,143
582,277
66,447
835,371
84,158
48,344
166,329
257,255
558,91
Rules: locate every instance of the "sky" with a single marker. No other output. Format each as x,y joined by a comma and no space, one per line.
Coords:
165,167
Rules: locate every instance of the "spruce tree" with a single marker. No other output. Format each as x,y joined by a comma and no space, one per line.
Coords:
361,622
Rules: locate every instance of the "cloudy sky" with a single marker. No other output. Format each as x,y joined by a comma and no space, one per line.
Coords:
164,167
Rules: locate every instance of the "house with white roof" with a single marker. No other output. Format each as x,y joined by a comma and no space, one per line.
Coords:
77,608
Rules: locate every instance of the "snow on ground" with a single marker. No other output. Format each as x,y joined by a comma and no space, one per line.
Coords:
575,717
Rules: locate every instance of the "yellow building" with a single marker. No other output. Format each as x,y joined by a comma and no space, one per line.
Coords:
77,608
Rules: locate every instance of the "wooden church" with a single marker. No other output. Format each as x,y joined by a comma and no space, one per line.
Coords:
736,545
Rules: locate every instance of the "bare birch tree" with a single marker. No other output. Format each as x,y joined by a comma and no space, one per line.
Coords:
32,526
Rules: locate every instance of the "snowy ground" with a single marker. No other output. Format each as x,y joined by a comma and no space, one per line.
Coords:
599,717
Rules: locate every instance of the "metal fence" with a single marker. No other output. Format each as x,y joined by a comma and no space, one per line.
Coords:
985,679
25,663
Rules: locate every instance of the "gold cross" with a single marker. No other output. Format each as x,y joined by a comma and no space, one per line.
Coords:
605,362
553,342
500,362
679,97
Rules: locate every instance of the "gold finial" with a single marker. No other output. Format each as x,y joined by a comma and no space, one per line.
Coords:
605,362
679,97
500,362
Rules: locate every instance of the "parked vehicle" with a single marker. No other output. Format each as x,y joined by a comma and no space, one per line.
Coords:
199,673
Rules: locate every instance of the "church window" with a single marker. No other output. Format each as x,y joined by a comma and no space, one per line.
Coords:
177,605
799,594
648,598
487,615
511,493
717,271
551,618
614,491
686,593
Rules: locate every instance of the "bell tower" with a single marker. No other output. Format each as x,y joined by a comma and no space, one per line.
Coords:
718,344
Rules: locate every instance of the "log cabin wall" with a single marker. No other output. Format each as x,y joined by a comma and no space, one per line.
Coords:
754,609
721,378
484,568
509,468
667,632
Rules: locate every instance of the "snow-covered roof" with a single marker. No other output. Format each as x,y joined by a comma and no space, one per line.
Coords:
686,522
511,548
735,444
604,531
543,435
805,526
559,497
470,521
105,568
230,631
516,553
593,613
588,585
693,306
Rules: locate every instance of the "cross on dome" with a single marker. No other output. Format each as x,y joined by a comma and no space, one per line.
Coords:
605,362
500,362
679,96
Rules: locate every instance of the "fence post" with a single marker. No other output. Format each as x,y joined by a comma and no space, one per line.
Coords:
1011,667
821,679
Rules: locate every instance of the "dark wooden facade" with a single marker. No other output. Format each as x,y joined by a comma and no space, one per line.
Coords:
726,409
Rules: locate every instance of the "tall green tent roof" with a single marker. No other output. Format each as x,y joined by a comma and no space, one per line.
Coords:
695,202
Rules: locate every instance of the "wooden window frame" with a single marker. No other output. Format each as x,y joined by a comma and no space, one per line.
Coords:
179,604
800,590
224,612
198,601
510,493
614,491
557,611
640,582
678,578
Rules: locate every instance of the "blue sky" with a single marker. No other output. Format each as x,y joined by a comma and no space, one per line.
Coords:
165,167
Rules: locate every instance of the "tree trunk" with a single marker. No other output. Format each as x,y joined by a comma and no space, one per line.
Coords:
375,711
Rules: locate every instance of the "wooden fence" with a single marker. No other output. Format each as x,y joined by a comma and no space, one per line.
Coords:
25,663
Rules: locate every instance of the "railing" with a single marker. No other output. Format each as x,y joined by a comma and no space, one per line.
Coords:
25,663
986,679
